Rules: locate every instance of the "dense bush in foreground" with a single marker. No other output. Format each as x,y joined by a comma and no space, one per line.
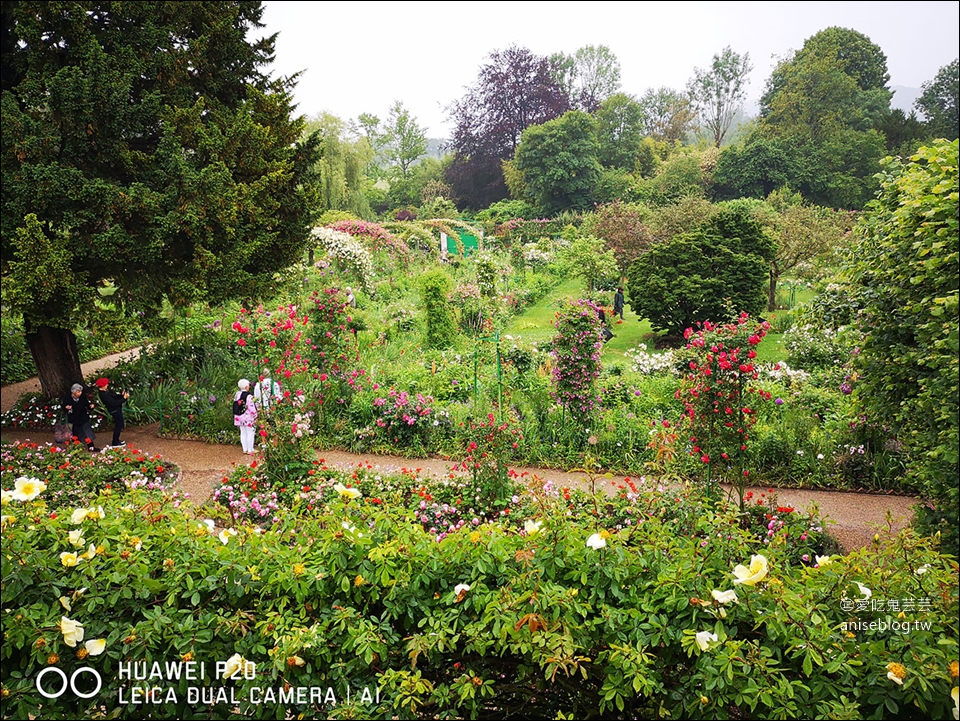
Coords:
563,611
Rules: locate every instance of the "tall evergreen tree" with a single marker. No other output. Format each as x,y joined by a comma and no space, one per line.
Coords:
143,145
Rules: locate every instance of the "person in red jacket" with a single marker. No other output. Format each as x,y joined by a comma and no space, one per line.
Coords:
113,402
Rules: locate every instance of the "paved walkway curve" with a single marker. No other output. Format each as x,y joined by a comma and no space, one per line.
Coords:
853,518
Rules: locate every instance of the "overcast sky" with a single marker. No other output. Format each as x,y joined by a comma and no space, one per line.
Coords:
359,57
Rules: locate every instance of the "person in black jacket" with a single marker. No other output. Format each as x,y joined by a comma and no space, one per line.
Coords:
113,402
78,407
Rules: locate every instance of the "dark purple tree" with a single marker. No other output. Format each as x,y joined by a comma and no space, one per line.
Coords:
515,89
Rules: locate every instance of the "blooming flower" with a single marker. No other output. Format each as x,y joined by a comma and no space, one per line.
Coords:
724,596
530,526
95,646
237,665
822,560
867,593
26,489
705,638
76,537
72,631
346,492
78,515
955,695
597,541
208,524
923,569
461,590
753,575
225,535
65,602
69,559
5,497
896,672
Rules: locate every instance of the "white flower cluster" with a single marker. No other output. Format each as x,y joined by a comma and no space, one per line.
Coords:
348,251
785,374
649,363
534,255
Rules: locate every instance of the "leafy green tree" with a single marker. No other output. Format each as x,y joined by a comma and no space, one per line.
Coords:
515,89
712,273
756,168
667,114
407,139
144,146
342,166
558,161
822,107
938,102
718,92
620,125
587,257
851,53
801,232
906,271
589,76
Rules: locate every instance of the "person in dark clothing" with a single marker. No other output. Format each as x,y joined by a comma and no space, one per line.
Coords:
78,407
618,303
113,402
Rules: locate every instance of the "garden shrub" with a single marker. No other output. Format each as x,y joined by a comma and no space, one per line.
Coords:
576,351
435,287
657,605
905,270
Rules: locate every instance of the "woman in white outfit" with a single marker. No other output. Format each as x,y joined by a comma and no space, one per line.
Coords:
246,421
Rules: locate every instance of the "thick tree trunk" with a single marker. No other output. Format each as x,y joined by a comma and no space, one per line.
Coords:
57,359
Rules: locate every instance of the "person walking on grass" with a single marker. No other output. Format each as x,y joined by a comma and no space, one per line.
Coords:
78,407
245,415
113,402
618,303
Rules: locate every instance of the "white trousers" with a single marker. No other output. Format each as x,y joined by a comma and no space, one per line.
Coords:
247,436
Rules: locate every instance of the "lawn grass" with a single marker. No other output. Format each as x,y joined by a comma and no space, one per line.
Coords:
535,325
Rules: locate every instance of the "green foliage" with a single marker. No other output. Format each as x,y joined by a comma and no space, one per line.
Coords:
558,160
905,268
939,101
588,258
578,610
623,228
576,349
435,287
712,273
718,93
619,122
154,153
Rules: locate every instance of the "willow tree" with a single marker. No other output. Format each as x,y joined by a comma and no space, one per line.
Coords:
143,146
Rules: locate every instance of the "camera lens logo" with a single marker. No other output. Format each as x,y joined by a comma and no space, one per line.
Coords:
71,682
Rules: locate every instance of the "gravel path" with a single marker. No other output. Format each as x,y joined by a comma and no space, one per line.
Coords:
852,518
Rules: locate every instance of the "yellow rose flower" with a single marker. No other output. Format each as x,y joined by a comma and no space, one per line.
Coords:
26,489
69,559
346,492
95,646
72,631
753,575
896,672
78,516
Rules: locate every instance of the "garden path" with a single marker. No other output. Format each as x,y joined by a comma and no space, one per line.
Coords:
853,518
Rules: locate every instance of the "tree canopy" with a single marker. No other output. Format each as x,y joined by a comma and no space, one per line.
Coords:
143,145
938,102
515,89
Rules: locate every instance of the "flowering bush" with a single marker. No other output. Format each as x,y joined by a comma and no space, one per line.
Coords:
494,619
576,349
717,391
403,419
348,252
648,363
33,413
74,477
380,237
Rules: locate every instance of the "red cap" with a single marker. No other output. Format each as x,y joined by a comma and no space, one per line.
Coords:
102,383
